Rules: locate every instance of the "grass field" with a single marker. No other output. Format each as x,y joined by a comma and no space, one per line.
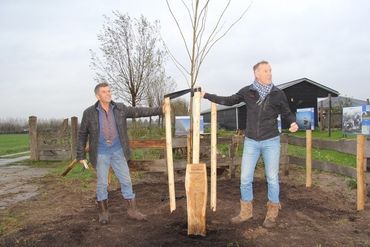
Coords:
13,143
317,134
330,156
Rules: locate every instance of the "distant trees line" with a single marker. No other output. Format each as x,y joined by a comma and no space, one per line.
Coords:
20,125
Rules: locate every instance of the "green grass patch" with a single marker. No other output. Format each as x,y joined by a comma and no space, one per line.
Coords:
317,134
58,167
324,155
13,143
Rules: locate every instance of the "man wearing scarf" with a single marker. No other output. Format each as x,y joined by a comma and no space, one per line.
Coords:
264,102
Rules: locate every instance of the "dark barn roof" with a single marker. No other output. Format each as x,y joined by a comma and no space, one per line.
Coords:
320,92
301,93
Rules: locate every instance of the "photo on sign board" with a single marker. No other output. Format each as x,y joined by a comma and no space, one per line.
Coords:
305,118
365,120
352,120
182,125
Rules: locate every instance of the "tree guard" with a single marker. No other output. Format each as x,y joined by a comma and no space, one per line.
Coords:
196,173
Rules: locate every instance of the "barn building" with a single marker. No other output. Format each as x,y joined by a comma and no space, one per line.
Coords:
301,93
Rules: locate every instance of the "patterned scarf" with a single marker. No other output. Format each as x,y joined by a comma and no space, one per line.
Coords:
262,89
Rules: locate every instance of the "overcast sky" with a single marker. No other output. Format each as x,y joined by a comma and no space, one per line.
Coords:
45,59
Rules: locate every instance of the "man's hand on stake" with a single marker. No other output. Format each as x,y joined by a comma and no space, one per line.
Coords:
293,127
202,93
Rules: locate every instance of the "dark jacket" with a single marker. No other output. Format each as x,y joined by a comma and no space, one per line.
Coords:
89,128
261,118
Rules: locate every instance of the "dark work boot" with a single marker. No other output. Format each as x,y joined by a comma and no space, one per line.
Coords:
103,212
133,212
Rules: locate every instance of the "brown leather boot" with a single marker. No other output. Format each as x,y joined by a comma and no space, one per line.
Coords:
246,212
133,212
272,214
103,212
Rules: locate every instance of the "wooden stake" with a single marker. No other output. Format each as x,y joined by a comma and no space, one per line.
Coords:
69,168
213,156
196,198
360,172
170,170
110,174
308,158
196,127
196,180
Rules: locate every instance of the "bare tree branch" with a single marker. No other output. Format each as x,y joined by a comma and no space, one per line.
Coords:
189,13
179,28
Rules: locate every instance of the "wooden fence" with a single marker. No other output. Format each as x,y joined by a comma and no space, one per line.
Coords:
53,144
360,148
344,146
60,144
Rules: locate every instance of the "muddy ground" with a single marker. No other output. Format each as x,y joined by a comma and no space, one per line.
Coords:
64,214
16,183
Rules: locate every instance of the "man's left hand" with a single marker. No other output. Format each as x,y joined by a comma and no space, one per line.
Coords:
293,127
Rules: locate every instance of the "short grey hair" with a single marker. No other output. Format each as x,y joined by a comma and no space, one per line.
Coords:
98,86
255,67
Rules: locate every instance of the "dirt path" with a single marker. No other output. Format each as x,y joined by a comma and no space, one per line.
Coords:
66,215
7,160
16,183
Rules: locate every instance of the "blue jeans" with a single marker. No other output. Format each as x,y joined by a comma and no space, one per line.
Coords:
116,160
270,150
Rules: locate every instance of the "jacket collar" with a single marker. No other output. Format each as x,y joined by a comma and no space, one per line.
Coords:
112,103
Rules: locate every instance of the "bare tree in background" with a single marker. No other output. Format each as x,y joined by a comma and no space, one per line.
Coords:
132,57
159,87
180,107
202,40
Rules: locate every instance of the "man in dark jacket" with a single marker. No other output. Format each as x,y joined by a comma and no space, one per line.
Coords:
104,126
264,102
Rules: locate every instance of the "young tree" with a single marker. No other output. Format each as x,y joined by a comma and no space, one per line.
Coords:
132,57
202,39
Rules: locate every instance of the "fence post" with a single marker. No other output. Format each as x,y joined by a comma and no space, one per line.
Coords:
308,158
32,125
74,131
360,172
284,159
213,156
170,170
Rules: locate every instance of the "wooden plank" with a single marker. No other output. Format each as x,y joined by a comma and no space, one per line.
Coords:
148,165
196,197
170,170
213,157
308,158
360,172
54,148
159,144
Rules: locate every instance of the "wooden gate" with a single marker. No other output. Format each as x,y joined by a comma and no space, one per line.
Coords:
53,143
